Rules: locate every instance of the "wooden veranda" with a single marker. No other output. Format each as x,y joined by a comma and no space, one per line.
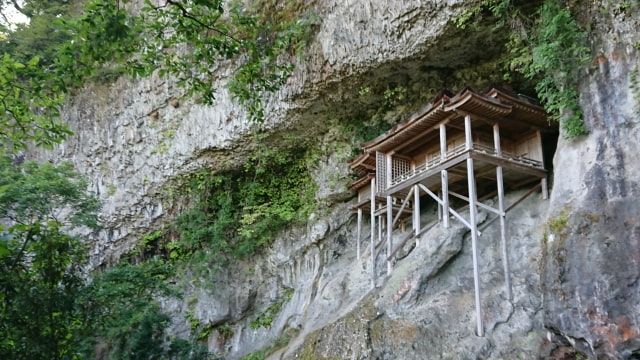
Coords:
466,146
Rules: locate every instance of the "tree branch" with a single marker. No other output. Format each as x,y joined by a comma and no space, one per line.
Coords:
189,16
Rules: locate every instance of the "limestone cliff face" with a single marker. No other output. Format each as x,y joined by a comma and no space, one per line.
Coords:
575,283
590,273
132,136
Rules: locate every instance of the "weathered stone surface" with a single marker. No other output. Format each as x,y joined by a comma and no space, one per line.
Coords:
575,287
592,292
425,308
131,138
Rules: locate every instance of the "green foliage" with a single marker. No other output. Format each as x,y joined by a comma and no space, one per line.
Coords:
40,264
121,311
265,319
41,36
37,312
558,224
60,49
32,194
279,343
237,213
257,355
394,96
263,71
201,36
225,330
102,36
361,130
496,8
24,87
634,86
545,46
558,52
47,311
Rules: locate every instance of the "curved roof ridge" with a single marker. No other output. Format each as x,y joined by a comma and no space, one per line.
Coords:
443,97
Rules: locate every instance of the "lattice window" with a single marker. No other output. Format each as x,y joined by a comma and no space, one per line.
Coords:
399,168
381,172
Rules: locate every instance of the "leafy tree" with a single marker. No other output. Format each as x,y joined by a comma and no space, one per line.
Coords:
61,48
121,313
24,87
47,310
40,263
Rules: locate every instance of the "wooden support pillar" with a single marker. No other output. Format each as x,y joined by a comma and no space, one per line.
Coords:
543,183
444,174
440,207
467,133
359,233
389,233
473,221
416,213
380,226
373,231
501,208
389,173
443,142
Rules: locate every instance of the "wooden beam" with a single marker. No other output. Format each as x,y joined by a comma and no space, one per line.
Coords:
457,127
492,121
539,173
474,241
468,140
486,224
373,229
502,215
440,201
444,178
427,174
389,233
404,204
416,213
443,142
389,169
484,206
425,132
359,233
484,174
543,182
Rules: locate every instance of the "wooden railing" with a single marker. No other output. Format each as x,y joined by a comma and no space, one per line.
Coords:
431,163
457,150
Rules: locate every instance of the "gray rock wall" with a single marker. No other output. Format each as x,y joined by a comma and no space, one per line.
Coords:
135,135
591,272
575,259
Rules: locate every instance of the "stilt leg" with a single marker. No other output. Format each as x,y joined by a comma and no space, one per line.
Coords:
474,243
416,213
440,207
445,198
373,233
389,232
359,233
503,233
545,188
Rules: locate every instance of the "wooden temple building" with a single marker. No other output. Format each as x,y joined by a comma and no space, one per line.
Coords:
469,146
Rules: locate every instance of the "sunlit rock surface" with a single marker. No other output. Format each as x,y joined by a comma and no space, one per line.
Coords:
575,283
